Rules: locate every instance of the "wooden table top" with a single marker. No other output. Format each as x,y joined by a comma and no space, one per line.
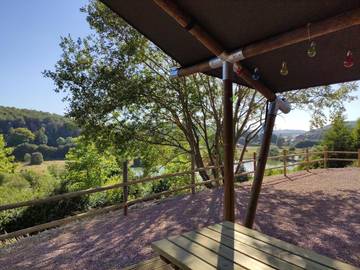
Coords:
232,246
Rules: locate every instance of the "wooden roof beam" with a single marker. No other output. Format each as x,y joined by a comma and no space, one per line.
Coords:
189,24
318,29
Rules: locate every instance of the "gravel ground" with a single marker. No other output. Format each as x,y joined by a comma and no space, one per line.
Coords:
319,210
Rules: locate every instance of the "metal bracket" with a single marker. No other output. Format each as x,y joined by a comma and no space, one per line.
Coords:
280,103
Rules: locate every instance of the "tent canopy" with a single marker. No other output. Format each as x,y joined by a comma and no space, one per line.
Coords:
236,24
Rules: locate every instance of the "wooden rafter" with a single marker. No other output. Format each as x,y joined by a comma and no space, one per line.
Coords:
189,24
318,29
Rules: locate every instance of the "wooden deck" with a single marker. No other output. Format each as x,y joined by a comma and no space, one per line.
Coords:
232,246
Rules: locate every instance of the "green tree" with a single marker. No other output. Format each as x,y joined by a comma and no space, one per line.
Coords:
306,144
19,135
338,138
36,158
40,136
87,166
60,141
280,141
27,158
356,135
6,159
119,91
274,151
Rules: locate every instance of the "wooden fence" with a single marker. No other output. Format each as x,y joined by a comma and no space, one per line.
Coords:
287,159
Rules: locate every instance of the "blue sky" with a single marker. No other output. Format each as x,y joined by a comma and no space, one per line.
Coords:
30,33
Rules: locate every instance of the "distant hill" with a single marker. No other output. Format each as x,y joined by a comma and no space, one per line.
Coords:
55,125
289,132
317,134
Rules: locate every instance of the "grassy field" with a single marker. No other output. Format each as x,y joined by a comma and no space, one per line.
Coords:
43,168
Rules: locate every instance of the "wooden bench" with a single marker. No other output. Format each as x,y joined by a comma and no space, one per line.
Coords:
232,246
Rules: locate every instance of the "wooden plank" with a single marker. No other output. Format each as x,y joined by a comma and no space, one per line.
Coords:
269,249
211,257
229,251
248,250
306,253
179,257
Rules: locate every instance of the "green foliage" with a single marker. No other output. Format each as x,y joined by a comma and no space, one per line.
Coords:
46,127
48,152
338,138
274,151
27,157
18,136
306,144
271,172
280,142
356,135
22,186
6,160
40,136
60,141
36,158
87,166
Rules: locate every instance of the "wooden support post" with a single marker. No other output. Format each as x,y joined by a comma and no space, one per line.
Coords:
192,173
358,157
285,161
126,187
326,156
229,194
259,174
254,161
307,159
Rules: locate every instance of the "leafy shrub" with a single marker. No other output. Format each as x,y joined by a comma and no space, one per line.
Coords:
57,171
27,158
48,152
306,144
15,181
274,151
273,172
36,158
20,150
160,185
292,149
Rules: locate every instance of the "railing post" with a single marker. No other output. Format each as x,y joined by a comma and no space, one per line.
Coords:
325,157
358,157
192,173
254,161
307,159
285,161
126,187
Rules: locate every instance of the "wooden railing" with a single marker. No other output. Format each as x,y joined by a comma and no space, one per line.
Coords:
285,158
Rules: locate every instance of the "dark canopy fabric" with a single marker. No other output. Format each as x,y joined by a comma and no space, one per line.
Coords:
237,23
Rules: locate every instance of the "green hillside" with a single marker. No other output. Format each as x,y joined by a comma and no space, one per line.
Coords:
317,134
55,125
29,131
